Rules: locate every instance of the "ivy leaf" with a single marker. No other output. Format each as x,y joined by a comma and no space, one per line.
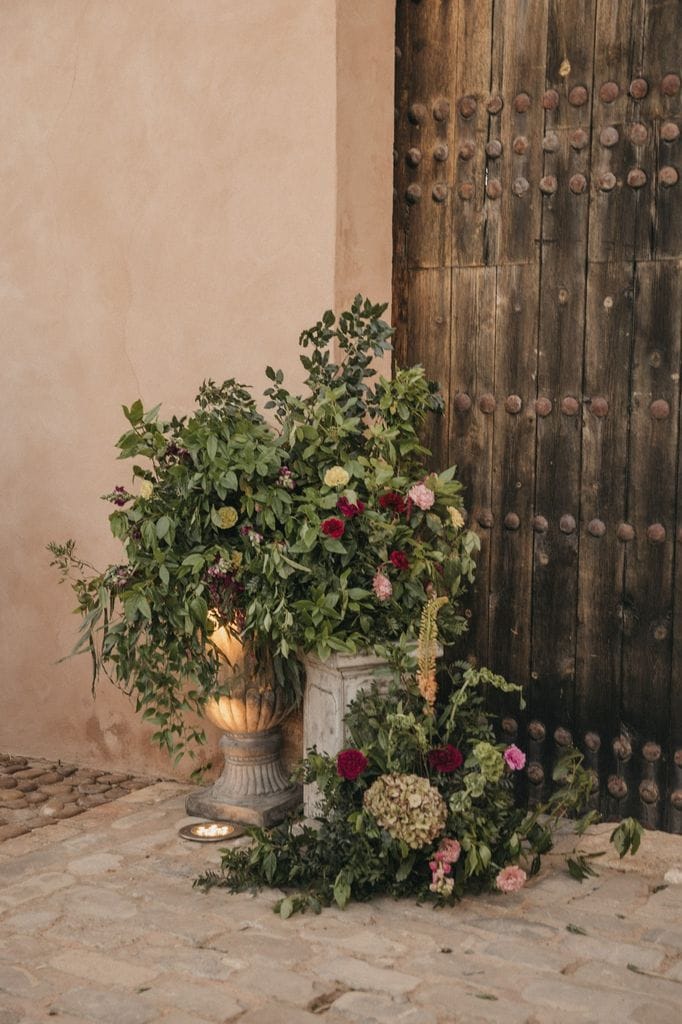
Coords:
342,889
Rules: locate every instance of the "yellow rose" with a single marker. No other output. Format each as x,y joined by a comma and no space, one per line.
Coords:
336,477
228,517
146,489
456,517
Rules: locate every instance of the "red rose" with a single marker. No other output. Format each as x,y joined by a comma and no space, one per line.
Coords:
399,559
445,759
393,501
350,764
348,509
334,528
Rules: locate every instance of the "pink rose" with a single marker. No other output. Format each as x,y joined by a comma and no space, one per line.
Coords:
382,586
422,496
449,851
514,758
511,879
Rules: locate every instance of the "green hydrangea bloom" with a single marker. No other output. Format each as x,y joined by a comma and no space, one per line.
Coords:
490,761
408,807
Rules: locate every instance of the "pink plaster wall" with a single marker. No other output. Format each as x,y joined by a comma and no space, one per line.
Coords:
176,203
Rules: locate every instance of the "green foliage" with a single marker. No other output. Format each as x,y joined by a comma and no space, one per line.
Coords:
349,856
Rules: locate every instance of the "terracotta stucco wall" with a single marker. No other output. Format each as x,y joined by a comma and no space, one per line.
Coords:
176,203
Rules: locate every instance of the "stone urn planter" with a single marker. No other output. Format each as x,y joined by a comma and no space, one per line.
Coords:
254,788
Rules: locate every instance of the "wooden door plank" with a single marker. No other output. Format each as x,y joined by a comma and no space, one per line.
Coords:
429,333
651,494
617,209
565,210
605,530
519,55
400,292
472,385
513,470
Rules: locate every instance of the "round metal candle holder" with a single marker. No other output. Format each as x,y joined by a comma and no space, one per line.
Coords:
210,832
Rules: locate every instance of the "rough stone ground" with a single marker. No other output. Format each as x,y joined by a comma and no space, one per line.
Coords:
99,923
35,793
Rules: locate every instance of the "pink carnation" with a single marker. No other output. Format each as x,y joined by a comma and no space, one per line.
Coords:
422,496
511,879
381,585
514,758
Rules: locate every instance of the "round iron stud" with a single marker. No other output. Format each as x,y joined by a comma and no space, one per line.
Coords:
668,176
607,182
509,726
622,748
648,791
609,136
413,194
537,731
511,521
466,151
578,96
467,106
656,533
639,133
660,410
577,184
670,131
569,405
441,110
543,407
625,532
466,190
670,85
522,103
592,742
567,524
414,156
520,187
487,403
494,149
596,527
579,138
636,177
639,87
520,145
462,402
494,104
608,92
440,152
550,100
677,758
513,404
617,787
550,143
548,185
417,113
599,407
540,524
493,189
486,520
439,193
536,773
562,737
676,799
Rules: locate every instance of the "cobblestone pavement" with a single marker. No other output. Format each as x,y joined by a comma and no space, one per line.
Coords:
99,923
34,793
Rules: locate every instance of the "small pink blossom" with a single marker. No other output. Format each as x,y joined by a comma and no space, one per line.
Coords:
422,496
514,758
441,885
511,879
382,586
449,851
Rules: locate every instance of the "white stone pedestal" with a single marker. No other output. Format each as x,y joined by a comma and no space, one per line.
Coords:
330,687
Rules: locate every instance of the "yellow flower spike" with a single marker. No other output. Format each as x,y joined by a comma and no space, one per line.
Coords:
146,490
426,651
456,517
336,477
228,517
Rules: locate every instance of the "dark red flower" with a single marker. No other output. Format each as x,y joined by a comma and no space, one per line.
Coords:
393,501
333,528
399,559
445,759
350,764
348,509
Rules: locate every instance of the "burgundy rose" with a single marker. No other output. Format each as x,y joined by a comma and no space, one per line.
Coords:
445,759
350,764
393,501
399,559
333,528
348,509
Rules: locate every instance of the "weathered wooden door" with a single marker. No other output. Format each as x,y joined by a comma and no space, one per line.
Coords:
538,259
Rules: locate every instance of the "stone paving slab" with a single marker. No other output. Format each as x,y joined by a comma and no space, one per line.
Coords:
99,924
35,793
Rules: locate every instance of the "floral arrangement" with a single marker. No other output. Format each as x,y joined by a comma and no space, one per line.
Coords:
422,803
319,532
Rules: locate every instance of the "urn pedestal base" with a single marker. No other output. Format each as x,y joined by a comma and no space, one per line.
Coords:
253,788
